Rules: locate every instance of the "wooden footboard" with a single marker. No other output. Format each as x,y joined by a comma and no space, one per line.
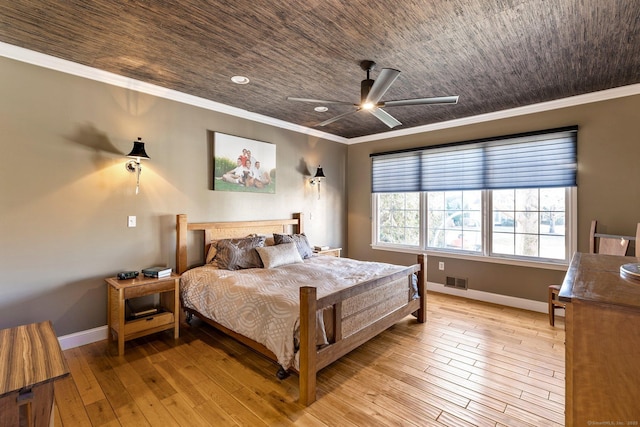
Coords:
313,359
343,339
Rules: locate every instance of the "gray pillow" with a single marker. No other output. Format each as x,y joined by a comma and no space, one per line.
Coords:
275,256
237,254
302,244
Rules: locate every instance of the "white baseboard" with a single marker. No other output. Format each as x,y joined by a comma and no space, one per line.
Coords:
525,304
83,337
100,333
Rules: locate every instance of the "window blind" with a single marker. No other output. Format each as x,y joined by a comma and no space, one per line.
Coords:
537,160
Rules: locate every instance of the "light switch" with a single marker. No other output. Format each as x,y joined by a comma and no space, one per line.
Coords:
131,221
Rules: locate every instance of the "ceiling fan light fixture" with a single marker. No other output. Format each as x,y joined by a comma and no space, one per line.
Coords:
321,109
371,94
240,80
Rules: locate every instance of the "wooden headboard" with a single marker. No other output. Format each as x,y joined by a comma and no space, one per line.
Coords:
229,230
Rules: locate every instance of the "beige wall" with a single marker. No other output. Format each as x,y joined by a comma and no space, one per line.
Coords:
65,194
608,188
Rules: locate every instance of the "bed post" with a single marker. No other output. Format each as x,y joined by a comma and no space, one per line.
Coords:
308,307
300,217
422,288
181,243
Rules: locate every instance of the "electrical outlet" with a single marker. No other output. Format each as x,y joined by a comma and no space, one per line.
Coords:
441,265
131,221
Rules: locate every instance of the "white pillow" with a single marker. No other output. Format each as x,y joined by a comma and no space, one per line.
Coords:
275,256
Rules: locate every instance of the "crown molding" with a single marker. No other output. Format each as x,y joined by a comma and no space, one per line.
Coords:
572,101
51,62
79,70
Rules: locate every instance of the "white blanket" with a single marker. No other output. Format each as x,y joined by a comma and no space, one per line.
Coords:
263,304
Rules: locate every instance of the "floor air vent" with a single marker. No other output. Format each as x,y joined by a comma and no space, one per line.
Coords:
456,282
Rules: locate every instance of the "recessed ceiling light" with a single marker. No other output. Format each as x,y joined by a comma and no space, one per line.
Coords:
241,80
321,109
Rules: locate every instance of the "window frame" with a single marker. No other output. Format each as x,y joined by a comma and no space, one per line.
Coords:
375,228
538,159
487,254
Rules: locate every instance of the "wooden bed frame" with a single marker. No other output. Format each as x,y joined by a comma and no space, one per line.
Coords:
311,359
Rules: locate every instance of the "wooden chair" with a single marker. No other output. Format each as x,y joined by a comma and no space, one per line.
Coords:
608,244
599,243
554,303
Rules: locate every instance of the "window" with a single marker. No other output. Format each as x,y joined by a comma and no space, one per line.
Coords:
455,220
529,223
399,219
509,197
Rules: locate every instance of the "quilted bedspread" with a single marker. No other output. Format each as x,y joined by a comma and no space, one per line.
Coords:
263,304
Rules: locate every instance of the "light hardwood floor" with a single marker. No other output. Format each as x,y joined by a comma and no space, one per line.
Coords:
471,364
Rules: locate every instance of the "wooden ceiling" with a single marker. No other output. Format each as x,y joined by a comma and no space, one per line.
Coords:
495,55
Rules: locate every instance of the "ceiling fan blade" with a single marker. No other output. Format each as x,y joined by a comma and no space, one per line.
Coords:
336,118
385,117
382,84
422,101
318,101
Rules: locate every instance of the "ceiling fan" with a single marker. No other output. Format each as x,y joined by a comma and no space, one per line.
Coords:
371,91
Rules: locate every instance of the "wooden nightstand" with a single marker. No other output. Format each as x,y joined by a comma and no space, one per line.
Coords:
166,318
330,252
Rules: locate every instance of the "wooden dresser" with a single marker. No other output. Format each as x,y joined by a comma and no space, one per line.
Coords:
602,342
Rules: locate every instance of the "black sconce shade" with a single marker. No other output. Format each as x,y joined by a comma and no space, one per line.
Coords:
138,150
319,173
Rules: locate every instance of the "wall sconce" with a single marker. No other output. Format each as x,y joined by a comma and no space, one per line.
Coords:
317,179
137,153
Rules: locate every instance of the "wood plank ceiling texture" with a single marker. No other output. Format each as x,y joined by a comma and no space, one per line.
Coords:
495,54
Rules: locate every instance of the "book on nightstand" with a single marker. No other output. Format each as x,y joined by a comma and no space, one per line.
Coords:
157,272
320,248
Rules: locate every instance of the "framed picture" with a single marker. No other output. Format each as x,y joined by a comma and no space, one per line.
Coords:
241,164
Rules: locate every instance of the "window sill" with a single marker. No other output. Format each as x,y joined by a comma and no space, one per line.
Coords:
473,257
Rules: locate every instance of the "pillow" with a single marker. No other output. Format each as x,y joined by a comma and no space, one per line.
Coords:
237,254
213,248
275,256
299,239
268,239
213,251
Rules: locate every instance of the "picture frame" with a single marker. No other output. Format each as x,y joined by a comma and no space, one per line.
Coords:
243,165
